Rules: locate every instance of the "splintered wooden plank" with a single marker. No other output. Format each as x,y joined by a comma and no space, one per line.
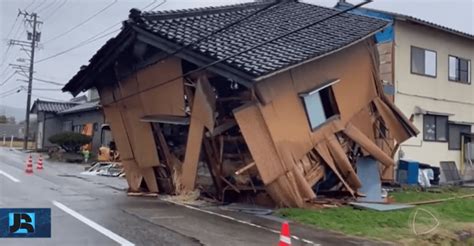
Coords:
193,150
357,136
259,142
343,163
315,174
323,151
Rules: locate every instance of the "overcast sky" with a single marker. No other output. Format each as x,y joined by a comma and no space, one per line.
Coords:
61,15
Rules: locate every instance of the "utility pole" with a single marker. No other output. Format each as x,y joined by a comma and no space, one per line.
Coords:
33,38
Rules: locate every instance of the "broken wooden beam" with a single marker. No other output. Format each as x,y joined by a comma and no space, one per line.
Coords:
245,168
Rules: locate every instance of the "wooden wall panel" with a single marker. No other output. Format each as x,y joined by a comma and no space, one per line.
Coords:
259,141
139,133
113,116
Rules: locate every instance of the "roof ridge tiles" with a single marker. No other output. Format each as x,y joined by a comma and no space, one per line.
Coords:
203,11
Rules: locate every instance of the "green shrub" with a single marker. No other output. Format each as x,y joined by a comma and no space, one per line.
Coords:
70,141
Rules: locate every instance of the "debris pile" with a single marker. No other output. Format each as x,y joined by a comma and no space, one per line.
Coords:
109,169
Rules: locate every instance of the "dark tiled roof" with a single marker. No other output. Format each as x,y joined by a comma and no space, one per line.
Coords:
186,26
48,106
182,27
88,106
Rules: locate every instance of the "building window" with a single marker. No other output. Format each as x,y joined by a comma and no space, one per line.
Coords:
67,126
423,61
459,70
320,104
78,128
435,128
455,131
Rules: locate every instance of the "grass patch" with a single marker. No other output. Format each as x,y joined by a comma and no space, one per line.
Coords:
454,215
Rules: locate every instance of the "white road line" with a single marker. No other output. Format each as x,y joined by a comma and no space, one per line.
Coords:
9,176
242,221
97,227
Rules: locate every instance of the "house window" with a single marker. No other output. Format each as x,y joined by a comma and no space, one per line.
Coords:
320,104
435,128
67,126
455,131
459,70
78,128
423,61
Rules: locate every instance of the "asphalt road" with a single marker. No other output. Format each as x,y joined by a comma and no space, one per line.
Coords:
94,210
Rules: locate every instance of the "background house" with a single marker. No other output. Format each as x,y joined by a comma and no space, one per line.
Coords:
86,118
427,71
83,115
48,121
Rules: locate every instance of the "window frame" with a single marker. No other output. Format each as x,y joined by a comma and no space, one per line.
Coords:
436,131
424,74
460,133
325,85
469,71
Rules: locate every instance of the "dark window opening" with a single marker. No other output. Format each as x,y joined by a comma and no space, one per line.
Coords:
455,131
435,128
459,70
423,62
320,105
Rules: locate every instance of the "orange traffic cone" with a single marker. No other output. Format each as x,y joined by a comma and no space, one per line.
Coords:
39,163
285,238
29,165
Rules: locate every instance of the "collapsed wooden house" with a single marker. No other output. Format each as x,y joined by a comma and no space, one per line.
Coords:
246,109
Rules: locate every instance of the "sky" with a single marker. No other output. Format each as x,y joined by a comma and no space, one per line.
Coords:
60,16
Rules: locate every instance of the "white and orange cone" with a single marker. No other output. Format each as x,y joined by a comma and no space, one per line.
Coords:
285,238
29,165
39,163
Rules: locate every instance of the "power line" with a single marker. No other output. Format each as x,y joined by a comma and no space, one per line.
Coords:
246,50
31,3
88,41
47,6
217,31
48,81
81,23
5,81
164,1
11,90
41,3
98,35
55,10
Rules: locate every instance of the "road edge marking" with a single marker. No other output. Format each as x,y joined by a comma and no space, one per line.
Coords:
94,225
241,221
9,176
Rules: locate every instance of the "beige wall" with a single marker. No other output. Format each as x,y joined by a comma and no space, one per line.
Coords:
433,94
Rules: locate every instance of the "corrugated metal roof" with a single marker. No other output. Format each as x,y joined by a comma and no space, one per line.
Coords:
88,106
50,106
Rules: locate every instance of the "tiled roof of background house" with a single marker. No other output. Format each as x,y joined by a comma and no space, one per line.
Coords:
88,106
49,106
185,26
